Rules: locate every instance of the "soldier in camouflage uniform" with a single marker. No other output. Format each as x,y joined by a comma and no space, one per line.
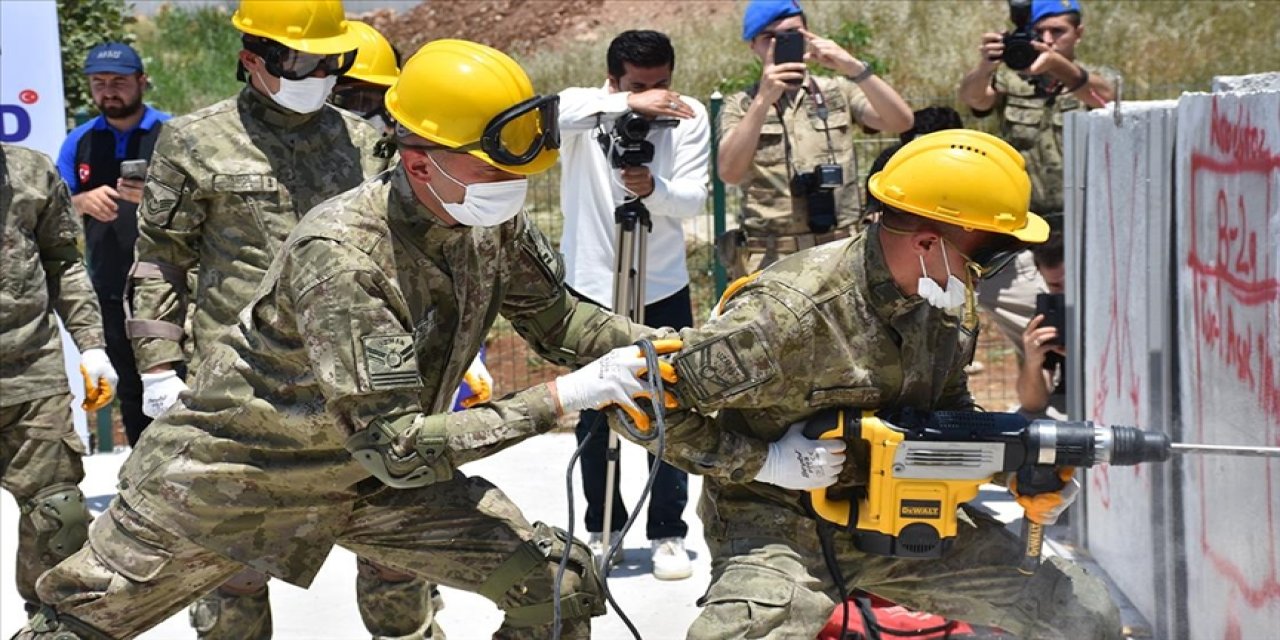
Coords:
864,323
41,271
1032,104
777,131
354,344
226,186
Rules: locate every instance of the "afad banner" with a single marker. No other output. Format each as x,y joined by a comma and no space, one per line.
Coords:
31,109
31,102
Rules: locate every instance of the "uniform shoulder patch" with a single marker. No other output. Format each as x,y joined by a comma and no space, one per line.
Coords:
726,366
391,361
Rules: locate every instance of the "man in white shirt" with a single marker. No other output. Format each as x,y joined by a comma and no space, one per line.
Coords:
673,187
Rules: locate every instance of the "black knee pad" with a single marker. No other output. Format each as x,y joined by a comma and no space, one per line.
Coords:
61,518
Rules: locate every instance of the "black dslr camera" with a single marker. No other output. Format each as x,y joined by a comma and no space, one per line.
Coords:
625,143
818,188
1018,50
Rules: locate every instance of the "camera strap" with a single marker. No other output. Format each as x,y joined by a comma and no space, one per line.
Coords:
820,105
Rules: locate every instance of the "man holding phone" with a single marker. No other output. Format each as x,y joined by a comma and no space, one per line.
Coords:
1042,388
104,162
787,142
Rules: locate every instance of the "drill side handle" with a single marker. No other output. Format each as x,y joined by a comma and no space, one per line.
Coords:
1033,480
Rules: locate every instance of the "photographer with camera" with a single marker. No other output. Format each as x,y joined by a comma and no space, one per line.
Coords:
633,145
1031,77
788,140
103,162
1042,389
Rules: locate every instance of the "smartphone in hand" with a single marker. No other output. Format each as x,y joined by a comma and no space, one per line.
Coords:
1053,306
133,169
788,46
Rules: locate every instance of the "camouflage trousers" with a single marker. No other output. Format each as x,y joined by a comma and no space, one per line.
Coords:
466,534
40,458
1010,297
764,586
392,604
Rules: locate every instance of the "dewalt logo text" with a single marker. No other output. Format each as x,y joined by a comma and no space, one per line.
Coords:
927,509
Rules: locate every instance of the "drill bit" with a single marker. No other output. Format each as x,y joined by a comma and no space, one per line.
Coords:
1226,450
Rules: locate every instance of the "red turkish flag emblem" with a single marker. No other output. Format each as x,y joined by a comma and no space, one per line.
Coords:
83,170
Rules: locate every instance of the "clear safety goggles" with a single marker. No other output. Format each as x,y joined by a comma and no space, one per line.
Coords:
364,99
536,120
291,64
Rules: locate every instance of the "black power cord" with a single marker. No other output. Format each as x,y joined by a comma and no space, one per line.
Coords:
657,388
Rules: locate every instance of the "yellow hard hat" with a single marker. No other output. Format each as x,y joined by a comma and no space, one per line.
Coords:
476,99
965,178
375,60
309,26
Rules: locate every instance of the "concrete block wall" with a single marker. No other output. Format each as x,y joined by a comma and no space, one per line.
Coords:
1173,214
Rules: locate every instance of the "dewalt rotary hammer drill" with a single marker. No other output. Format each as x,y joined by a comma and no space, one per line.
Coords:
914,469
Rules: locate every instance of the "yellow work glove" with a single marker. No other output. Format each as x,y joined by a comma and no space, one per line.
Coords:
100,379
480,381
1044,508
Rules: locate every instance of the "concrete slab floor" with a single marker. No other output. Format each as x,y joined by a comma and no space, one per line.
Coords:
533,475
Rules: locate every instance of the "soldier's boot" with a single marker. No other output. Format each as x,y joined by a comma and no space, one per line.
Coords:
523,586
47,624
396,605
240,609
54,524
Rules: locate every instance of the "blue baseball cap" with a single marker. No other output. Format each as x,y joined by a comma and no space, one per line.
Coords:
1041,9
113,57
762,13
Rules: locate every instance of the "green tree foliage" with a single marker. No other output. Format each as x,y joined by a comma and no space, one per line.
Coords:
190,53
85,24
853,36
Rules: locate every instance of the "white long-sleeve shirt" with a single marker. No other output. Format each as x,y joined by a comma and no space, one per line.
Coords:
591,188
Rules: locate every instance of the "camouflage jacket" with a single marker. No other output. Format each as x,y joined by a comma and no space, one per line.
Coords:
795,143
225,186
1031,121
41,271
371,312
822,328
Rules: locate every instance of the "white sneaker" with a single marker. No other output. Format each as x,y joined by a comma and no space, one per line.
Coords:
670,561
595,542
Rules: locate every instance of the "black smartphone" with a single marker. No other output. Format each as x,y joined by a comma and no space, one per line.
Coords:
1053,306
788,46
133,169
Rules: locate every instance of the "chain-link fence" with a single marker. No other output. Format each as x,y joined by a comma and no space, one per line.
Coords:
515,366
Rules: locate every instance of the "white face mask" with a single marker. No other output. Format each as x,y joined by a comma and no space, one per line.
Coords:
304,96
952,297
484,204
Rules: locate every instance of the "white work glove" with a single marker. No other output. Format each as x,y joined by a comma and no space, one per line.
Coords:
160,391
612,379
799,463
481,383
100,379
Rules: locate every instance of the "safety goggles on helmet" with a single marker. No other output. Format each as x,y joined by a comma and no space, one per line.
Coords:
515,123
291,64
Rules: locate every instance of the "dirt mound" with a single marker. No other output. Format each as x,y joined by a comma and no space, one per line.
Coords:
523,26
510,25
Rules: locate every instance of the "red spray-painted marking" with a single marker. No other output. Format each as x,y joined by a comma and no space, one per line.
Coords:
1117,359
1235,277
